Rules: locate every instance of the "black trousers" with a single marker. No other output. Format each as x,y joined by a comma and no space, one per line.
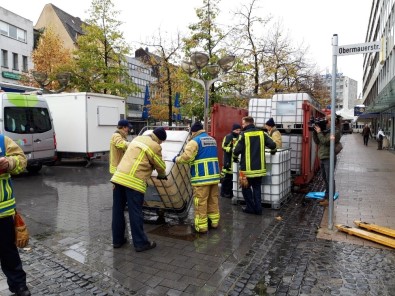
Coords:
11,263
366,140
227,186
380,145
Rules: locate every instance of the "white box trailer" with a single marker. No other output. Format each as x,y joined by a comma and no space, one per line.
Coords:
84,122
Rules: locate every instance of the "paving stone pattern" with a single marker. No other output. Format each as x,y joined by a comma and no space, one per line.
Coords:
71,253
53,274
287,259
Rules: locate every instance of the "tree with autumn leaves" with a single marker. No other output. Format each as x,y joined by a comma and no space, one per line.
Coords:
98,64
50,57
99,61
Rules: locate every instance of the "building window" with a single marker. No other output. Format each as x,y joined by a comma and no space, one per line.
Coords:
24,65
21,35
15,65
12,31
4,58
3,28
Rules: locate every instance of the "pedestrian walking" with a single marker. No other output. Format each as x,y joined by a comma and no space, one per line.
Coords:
251,146
274,133
202,156
366,133
322,137
12,161
144,154
119,143
227,171
380,137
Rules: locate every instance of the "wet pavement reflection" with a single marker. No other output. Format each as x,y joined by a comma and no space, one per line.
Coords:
68,211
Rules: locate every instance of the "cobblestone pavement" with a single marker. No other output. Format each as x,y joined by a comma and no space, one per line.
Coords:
287,259
68,211
53,274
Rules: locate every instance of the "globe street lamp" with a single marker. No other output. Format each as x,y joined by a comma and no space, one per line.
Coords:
42,79
199,61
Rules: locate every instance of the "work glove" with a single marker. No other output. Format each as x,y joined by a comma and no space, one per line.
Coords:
273,151
159,177
21,232
243,181
235,159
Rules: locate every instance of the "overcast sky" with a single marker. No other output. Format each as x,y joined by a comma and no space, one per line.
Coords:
312,22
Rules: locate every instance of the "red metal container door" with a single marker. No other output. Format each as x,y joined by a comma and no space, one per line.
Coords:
310,161
222,119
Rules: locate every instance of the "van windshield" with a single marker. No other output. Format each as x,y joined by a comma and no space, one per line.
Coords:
26,120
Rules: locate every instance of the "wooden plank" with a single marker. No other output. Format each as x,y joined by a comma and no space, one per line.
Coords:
376,228
381,239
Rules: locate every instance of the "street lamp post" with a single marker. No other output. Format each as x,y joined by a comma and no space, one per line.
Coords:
199,61
43,81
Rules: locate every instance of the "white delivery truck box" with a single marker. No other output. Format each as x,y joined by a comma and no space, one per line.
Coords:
84,122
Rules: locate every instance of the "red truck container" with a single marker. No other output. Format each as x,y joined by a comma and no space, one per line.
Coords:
222,119
310,162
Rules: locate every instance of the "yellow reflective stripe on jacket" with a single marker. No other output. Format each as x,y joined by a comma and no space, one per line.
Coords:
118,146
152,154
129,181
205,179
249,171
7,200
18,167
112,169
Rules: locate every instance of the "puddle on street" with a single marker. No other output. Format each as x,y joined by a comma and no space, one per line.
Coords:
183,232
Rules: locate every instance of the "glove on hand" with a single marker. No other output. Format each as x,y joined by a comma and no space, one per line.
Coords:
244,182
21,232
235,159
272,152
174,159
161,177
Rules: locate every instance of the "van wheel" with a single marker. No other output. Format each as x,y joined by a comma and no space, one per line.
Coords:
34,168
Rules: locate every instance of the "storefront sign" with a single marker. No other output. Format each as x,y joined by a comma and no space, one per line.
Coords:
11,75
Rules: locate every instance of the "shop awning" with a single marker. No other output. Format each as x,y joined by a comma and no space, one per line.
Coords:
385,99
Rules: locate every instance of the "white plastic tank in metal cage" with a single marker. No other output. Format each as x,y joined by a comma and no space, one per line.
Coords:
174,195
276,185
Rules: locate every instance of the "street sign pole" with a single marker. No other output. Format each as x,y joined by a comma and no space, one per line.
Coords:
332,134
360,48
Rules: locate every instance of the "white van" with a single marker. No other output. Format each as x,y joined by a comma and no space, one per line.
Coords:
26,119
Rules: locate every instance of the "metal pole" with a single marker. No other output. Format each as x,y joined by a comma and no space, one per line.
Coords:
332,133
206,104
206,85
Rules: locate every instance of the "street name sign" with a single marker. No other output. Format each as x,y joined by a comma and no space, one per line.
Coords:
359,48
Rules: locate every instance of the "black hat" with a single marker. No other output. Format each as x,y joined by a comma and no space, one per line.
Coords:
270,122
160,133
236,126
197,126
124,123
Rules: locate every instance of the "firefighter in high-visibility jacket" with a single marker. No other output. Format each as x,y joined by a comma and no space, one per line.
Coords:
143,155
251,146
12,162
202,156
118,144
